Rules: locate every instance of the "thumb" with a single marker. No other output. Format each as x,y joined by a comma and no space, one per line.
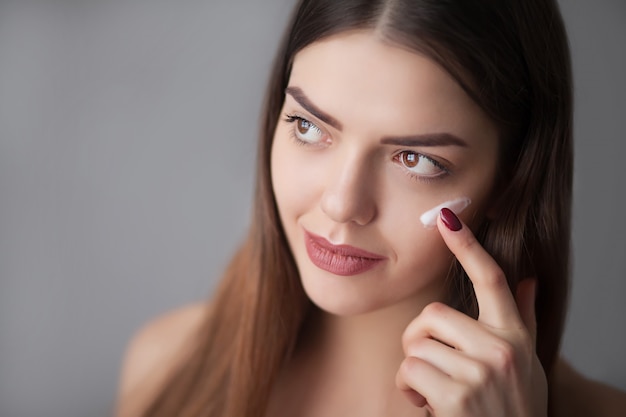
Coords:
525,296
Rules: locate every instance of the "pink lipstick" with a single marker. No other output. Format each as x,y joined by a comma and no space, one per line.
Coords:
342,260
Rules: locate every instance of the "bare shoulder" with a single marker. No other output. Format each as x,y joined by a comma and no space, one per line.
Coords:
155,350
576,395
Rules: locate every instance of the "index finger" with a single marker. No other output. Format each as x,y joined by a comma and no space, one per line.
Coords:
496,304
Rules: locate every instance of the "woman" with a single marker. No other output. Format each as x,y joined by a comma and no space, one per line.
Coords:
394,133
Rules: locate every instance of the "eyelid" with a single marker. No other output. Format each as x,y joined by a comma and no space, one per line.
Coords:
293,118
299,111
443,167
444,163
309,118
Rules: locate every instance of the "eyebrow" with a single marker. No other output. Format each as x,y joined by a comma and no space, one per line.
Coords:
303,100
426,140
421,140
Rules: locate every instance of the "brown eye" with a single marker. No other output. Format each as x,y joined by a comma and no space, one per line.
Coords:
419,164
409,159
306,131
303,126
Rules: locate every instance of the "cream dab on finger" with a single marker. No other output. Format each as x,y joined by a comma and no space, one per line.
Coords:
429,218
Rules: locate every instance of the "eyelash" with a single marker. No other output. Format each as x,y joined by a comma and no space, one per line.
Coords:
293,118
445,171
290,118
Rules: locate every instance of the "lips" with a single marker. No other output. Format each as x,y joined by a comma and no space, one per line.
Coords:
342,260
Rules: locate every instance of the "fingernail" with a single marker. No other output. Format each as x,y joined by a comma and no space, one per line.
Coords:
450,220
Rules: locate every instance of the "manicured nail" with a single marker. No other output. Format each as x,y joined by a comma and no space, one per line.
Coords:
450,220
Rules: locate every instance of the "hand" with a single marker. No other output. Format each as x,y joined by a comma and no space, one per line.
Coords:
458,366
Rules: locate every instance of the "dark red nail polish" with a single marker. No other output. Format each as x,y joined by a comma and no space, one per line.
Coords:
450,220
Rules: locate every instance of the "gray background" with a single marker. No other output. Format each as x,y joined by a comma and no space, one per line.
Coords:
127,140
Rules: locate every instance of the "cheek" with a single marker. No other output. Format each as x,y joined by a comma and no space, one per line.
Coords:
420,253
293,180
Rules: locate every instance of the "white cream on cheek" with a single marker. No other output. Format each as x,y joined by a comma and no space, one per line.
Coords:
429,218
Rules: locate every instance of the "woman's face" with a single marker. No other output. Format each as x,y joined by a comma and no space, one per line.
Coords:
370,137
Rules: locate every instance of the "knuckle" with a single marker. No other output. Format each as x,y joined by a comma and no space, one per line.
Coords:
496,279
433,310
527,343
410,333
410,365
482,374
420,326
407,338
504,357
416,347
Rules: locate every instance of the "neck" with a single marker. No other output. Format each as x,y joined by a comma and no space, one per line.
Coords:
374,337
360,355
347,365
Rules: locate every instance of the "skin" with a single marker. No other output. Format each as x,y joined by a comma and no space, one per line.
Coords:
350,187
383,342
163,343
337,177
340,179
477,367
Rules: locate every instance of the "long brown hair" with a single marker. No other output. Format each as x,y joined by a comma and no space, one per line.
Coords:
512,58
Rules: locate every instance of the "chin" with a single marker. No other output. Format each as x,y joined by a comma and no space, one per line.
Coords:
340,295
380,286
346,308
352,296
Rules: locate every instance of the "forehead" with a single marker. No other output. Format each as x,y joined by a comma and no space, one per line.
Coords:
360,78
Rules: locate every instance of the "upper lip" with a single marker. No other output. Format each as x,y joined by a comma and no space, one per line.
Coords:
343,250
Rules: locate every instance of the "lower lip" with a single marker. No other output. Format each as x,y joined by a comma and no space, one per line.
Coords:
335,263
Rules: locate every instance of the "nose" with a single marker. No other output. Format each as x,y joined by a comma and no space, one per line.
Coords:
349,195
